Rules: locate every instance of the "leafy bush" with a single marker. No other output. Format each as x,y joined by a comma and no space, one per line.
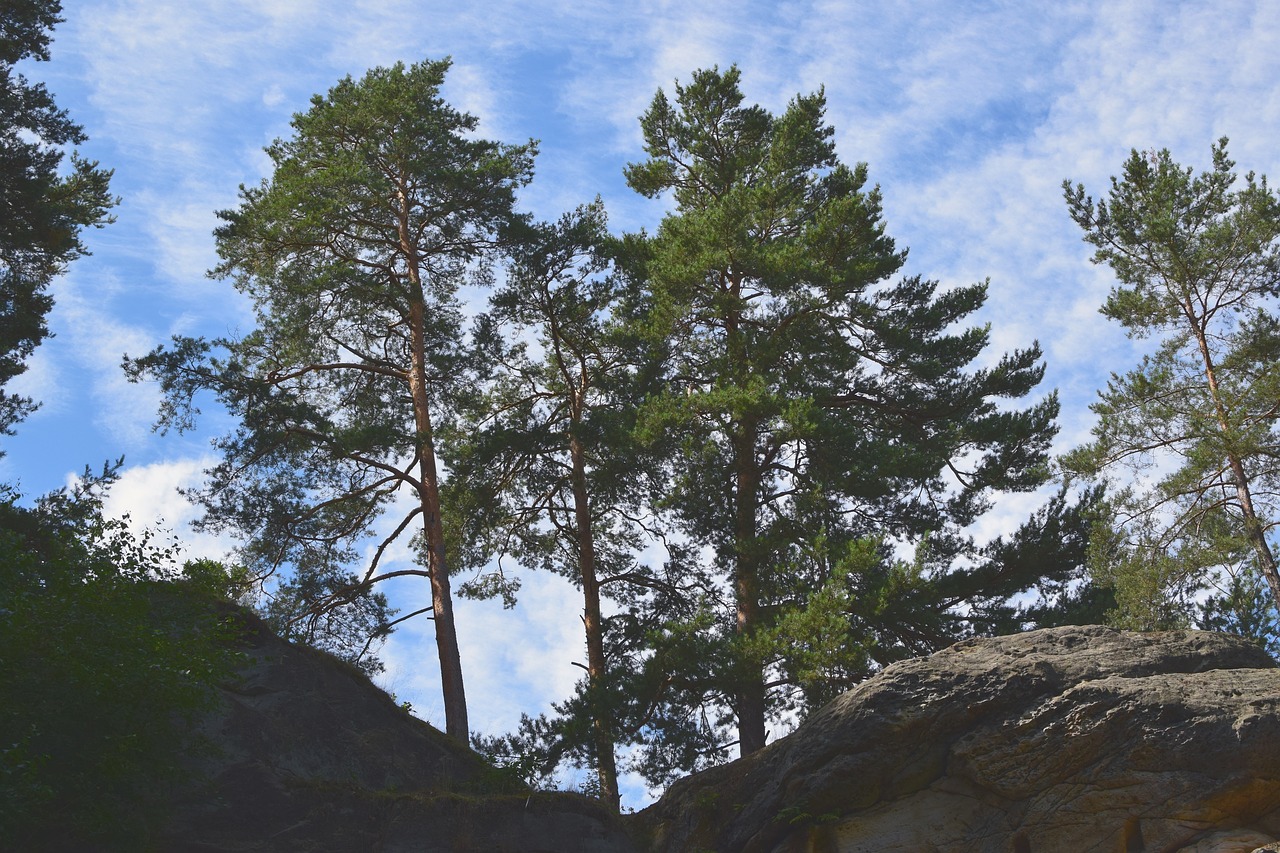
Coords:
104,662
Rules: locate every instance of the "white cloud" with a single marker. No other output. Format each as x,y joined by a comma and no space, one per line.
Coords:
470,88
149,496
274,96
181,236
91,337
41,382
513,661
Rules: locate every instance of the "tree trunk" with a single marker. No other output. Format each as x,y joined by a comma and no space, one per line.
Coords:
455,699
451,686
750,694
1253,528
606,763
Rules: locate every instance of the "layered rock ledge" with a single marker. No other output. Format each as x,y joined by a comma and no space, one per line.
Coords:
1065,739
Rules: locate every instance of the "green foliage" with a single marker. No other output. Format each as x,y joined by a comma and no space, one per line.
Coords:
383,203
810,640
329,610
217,579
1211,583
516,764
1187,438
1243,605
546,468
560,382
816,405
104,662
1152,590
44,207
767,403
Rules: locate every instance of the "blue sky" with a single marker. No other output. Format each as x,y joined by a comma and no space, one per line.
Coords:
969,114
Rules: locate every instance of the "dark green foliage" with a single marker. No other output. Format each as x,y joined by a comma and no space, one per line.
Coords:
319,608
1243,606
1188,438
557,373
1034,578
383,203
546,468
820,408
665,659
105,658
800,418
42,212
1048,557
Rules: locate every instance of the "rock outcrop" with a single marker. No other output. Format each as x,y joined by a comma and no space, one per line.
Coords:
1067,739
307,755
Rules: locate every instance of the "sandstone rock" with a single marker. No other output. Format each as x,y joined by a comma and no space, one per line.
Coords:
1071,739
308,755
1238,841
1068,739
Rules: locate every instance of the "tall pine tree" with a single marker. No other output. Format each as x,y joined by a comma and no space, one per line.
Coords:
823,409
382,204
1197,263
544,470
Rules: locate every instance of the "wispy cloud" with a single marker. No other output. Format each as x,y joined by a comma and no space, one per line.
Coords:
514,661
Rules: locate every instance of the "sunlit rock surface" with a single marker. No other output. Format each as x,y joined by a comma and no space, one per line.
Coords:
1067,739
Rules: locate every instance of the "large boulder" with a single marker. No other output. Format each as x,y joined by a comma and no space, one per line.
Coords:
1066,739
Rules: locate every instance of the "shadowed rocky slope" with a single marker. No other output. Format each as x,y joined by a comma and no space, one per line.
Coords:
1069,739
309,756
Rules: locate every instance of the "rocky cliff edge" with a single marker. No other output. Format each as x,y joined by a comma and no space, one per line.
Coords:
1068,739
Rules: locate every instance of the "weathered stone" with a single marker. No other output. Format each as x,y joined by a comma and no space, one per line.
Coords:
1067,739
308,755
1238,841
1070,739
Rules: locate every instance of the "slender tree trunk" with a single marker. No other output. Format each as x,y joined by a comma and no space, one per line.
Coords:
592,622
451,686
1253,527
602,730
455,699
750,694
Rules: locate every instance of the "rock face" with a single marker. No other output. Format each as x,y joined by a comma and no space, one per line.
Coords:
308,755
1069,739
1066,739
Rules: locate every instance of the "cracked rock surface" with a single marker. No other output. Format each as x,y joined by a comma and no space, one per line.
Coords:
1064,739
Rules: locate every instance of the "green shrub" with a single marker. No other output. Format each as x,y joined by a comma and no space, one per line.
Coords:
103,665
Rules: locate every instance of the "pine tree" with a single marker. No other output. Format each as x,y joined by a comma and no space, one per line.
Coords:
824,411
43,208
1198,270
382,204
